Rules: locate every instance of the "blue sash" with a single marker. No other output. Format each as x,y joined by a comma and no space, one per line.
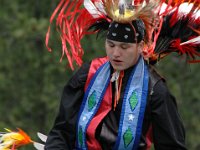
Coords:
133,107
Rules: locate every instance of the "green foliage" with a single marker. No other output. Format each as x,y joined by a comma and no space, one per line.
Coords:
183,80
32,79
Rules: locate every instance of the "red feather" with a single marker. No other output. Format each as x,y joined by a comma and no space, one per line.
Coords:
72,23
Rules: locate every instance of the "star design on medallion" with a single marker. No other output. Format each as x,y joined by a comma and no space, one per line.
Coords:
84,118
131,117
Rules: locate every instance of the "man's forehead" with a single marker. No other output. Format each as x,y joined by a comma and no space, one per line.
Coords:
118,43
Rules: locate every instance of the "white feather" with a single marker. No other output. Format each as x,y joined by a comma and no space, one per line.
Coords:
91,8
186,8
100,7
194,40
122,2
38,146
42,136
1,134
122,5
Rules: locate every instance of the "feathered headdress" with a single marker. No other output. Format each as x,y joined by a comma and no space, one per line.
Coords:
11,140
180,32
167,28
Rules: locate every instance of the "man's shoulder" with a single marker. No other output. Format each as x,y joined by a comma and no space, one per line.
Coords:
154,77
86,71
79,77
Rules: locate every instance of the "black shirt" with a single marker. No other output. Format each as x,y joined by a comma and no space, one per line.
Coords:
161,112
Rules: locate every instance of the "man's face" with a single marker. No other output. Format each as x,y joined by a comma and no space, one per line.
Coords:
122,55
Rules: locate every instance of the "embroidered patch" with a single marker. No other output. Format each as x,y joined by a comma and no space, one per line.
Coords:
80,136
133,100
127,137
92,101
84,118
131,117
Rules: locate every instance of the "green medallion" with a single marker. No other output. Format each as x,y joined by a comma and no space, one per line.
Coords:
127,137
80,136
133,100
92,101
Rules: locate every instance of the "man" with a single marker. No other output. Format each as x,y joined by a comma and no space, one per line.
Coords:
120,101
110,124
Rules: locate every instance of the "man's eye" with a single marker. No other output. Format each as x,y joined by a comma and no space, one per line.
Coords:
111,45
124,47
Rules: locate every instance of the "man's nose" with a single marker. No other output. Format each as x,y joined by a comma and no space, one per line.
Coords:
116,52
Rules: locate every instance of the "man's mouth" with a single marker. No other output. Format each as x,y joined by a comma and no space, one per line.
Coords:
115,60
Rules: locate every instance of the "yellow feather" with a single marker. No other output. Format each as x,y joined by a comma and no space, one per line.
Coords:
130,14
11,138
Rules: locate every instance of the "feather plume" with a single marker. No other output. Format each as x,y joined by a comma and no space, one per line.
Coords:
38,146
14,139
100,26
42,137
167,28
72,28
100,6
114,9
91,8
180,34
194,41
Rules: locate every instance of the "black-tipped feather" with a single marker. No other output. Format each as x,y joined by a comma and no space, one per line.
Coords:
101,27
176,30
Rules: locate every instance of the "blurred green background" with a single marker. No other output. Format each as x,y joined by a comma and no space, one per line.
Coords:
32,79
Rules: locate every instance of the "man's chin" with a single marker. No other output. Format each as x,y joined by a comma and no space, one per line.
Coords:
119,68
